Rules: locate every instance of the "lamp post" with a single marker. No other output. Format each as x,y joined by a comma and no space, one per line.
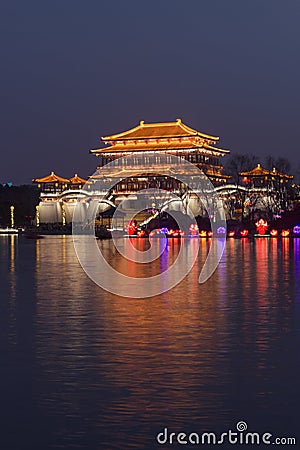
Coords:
63,210
37,215
12,216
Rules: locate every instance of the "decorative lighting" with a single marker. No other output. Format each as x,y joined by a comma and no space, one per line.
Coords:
37,216
63,211
194,230
274,233
210,233
285,233
177,233
261,226
202,233
131,228
12,216
221,230
244,233
231,233
296,230
164,230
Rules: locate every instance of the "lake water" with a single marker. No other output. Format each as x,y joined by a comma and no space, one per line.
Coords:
84,369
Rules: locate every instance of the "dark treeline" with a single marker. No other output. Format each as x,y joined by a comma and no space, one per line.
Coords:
23,198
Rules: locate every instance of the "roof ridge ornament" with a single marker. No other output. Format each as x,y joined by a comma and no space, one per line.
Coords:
142,122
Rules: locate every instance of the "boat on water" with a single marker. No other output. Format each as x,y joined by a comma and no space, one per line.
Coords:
33,236
9,230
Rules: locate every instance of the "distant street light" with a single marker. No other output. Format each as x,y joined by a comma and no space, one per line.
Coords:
12,216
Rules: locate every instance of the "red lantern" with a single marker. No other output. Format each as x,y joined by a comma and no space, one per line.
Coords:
194,230
131,228
261,226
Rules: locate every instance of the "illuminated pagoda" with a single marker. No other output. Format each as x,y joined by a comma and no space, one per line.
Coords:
269,187
162,139
51,183
150,145
77,182
58,197
270,179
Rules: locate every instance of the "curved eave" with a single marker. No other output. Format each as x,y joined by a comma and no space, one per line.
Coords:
265,174
254,174
211,147
117,149
77,180
121,135
79,184
50,180
187,131
281,175
216,175
144,173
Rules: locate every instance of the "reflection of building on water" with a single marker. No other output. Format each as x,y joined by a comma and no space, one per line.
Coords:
151,145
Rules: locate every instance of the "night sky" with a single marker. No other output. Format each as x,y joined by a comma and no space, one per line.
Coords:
72,71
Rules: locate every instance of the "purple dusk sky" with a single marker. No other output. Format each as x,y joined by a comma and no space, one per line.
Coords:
72,71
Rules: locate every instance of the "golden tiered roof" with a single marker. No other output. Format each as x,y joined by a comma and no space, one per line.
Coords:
158,137
259,171
52,178
159,130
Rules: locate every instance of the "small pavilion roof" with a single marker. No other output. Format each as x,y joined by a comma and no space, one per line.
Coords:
77,180
158,130
276,173
52,178
259,171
